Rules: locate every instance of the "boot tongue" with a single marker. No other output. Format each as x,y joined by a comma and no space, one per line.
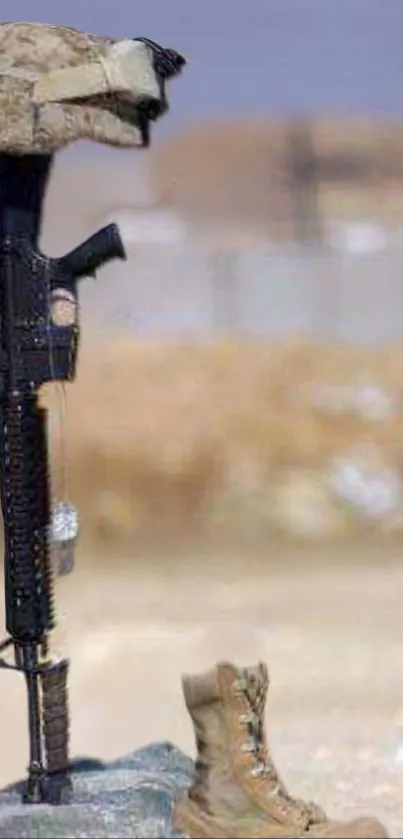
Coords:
256,682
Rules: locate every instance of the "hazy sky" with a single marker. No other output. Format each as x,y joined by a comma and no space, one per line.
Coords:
256,56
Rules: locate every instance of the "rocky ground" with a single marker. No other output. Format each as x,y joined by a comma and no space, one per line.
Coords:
331,632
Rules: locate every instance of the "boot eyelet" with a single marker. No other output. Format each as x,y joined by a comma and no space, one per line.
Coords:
247,748
256,771
274,793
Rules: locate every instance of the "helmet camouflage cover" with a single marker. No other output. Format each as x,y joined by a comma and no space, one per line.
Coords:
58,85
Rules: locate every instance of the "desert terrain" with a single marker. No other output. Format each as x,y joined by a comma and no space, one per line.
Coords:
209,529
329,628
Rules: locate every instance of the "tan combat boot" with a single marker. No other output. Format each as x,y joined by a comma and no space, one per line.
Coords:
237,791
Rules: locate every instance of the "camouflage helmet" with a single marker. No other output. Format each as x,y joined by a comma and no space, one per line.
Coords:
58,85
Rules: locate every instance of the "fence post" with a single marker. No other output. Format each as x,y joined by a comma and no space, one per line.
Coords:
304,182
225,292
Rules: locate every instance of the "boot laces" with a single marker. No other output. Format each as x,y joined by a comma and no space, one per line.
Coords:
255,692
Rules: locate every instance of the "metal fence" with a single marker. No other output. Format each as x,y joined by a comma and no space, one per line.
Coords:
199,292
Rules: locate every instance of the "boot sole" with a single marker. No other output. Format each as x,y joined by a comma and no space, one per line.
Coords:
187,818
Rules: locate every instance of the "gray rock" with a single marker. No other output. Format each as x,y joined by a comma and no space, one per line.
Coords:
129,797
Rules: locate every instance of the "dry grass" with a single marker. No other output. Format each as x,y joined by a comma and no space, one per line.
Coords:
166,441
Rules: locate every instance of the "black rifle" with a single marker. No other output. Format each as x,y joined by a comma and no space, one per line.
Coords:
34,350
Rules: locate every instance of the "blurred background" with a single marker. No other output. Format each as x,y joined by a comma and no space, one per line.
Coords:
234,439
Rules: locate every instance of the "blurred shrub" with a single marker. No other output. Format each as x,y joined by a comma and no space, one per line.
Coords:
231,440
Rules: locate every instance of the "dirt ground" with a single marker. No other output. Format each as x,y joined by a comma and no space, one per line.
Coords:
331,633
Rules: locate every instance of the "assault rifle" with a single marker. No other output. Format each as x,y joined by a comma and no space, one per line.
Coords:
34,349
